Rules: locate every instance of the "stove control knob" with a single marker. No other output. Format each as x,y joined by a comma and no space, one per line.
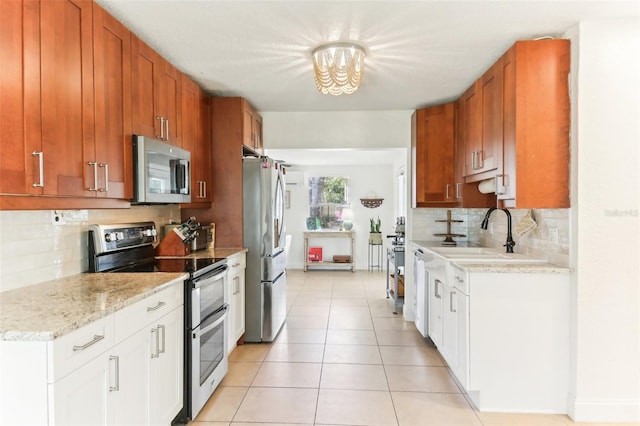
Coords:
119,236
107,237
146,232
111,236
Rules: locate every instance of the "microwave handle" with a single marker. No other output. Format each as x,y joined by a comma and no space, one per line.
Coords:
181,174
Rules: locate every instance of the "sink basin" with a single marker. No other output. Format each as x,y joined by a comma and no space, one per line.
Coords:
483,255
494,258
464,250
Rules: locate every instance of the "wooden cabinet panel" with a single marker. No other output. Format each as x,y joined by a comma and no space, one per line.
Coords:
432,147
482,126
156,95
196,139
144,64
228,135
466,194
112,62
169,105
67,97
20,127
252,125
536,125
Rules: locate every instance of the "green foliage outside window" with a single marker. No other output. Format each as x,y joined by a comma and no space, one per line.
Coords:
328,196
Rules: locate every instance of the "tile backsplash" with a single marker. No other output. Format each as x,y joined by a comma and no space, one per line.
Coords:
33,249
549,240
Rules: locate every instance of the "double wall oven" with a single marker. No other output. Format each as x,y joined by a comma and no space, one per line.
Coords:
129,248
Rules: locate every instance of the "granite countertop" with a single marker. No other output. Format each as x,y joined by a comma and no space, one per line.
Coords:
495,267
52,309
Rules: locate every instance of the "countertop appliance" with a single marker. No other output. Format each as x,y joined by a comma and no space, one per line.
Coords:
161,172
264,235
129,248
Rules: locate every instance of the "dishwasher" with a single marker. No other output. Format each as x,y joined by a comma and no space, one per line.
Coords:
420,281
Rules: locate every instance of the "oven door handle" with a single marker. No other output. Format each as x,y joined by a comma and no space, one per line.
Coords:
206,325
214,276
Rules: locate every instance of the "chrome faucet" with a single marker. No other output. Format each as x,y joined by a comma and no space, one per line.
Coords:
485,223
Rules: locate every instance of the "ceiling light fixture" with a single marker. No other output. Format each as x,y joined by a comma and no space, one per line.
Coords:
337,68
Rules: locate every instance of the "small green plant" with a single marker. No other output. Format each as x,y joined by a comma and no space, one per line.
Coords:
374,226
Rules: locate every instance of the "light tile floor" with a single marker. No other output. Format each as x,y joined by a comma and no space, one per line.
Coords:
343,358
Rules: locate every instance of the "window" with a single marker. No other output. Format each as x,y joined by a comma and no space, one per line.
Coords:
328,196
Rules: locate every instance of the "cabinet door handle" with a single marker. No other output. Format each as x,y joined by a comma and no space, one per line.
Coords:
95,176
106,177
473,160
164,339
96,339
204,191
447,189
117,373
161,135
155,353
451,294
40,182
499,186
458,190
167,124
438,296
155,308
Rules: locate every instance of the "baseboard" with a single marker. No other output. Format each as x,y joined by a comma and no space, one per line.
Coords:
604,410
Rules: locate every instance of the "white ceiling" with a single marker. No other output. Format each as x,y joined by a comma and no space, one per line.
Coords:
418,53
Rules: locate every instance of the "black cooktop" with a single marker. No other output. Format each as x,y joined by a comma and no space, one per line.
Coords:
189,265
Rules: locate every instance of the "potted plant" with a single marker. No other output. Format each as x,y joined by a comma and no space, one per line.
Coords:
375,237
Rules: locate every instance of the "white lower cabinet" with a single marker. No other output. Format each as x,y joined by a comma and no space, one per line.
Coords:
81,398
124,369
236,291
504,335
166,370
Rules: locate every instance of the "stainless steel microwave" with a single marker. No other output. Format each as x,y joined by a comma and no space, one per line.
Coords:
161,172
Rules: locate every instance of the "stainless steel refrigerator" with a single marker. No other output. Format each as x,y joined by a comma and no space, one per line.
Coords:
263,187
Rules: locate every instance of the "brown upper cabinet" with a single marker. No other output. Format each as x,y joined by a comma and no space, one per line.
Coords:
536,122
156,95
21,125
482,118
466,194
51,61
196,138
432,149
112,75
229,134
252,128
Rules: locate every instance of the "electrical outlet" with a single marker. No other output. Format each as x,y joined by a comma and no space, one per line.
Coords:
554,235
58,217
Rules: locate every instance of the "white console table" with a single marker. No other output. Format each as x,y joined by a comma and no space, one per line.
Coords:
329,234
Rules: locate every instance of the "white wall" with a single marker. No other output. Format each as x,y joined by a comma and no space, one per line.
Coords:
337,129
605,231
378,178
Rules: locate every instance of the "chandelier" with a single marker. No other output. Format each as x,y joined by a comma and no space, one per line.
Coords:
337,68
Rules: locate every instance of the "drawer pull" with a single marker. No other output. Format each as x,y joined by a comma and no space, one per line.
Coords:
117,373
164,339
96,339
155,308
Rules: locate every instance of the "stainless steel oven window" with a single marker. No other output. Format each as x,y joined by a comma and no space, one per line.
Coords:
212,351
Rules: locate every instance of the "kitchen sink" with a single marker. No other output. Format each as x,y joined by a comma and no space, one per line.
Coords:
483,255
464,250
